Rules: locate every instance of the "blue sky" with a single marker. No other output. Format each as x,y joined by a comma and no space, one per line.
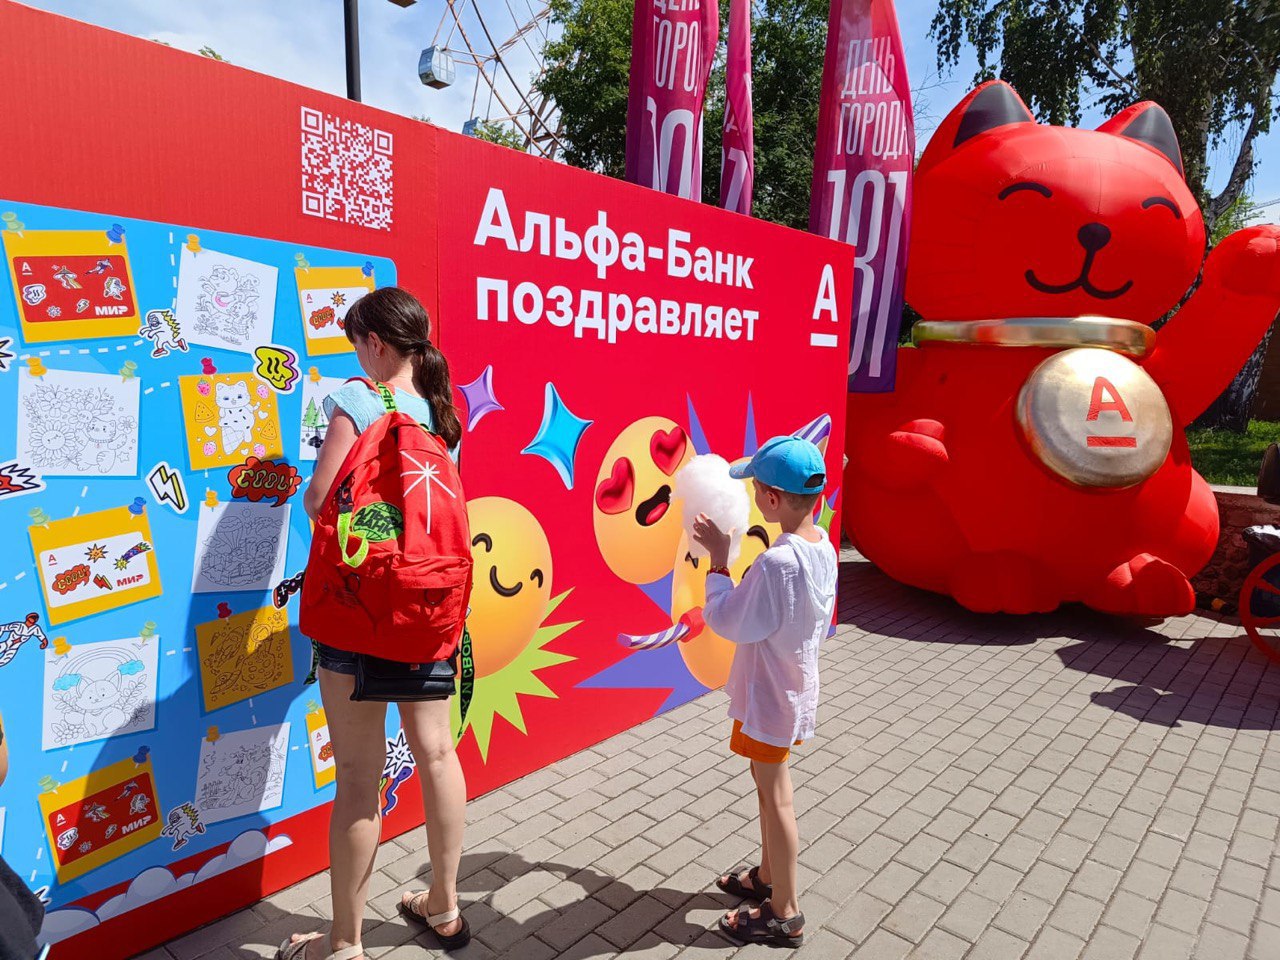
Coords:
301,41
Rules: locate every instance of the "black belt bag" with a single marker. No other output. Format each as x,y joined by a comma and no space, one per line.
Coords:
390,681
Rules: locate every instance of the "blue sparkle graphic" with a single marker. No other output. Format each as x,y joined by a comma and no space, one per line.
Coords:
558,438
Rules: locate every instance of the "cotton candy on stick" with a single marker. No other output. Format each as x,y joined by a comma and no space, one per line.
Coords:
705,487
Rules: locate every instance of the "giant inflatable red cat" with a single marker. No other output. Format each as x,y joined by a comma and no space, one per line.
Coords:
1029,457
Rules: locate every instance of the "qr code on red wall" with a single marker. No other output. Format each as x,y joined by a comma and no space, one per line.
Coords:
347,171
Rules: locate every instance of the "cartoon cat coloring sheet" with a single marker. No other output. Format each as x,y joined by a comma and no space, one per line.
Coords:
99,690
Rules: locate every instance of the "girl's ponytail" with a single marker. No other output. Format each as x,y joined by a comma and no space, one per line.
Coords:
431,377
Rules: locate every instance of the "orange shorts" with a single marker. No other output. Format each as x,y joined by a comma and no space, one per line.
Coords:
753,749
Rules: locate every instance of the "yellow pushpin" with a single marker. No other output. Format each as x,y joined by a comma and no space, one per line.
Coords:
210,498
213,735
193,242
36,367
60,646
129,370
313,374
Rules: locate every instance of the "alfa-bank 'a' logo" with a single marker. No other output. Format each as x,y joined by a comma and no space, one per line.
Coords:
825,310
1106,398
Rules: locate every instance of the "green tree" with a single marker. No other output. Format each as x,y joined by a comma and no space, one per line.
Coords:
1212,64
503,134
587,72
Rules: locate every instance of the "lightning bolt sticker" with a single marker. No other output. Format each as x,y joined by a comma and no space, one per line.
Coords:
167,487
15,480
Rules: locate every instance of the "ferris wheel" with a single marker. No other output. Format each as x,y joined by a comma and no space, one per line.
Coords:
505,49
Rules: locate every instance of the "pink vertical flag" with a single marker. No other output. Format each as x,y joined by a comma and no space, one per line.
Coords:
737,160
862,175
673,43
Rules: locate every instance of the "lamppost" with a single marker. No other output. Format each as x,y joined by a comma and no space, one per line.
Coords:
351,33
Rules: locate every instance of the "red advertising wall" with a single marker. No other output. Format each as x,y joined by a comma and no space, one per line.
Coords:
600,335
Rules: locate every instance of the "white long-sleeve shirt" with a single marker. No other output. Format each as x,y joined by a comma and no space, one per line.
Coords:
777,616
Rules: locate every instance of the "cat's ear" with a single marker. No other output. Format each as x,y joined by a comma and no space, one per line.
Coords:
990,106
1147,123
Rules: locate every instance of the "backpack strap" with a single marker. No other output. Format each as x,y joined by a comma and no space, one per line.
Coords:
385,393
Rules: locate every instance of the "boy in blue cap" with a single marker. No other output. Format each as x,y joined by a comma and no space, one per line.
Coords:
777,615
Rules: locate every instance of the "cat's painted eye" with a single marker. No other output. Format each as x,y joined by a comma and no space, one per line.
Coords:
1013,188
1162,202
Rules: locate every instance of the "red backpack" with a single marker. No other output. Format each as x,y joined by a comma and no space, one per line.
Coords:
390,567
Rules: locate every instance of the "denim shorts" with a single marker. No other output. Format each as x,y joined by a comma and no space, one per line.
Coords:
335,660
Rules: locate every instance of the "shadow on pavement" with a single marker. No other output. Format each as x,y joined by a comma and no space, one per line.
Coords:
1215,677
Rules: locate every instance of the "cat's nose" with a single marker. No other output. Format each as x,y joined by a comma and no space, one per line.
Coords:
1093,237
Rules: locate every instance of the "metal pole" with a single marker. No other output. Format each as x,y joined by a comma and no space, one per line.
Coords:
351,26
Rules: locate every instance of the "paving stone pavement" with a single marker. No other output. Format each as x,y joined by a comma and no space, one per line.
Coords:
1048,787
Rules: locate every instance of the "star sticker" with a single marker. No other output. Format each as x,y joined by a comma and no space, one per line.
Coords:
558,438
96,552
338,299
479,397
426,473
826,514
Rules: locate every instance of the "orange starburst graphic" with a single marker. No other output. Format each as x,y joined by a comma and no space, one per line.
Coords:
96,552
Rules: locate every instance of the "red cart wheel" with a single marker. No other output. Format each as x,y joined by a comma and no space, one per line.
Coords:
1263,631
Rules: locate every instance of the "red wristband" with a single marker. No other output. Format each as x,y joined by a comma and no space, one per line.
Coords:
723,571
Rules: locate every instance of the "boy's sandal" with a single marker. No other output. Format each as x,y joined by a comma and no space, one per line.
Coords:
766,928
297,949
733,885
453,941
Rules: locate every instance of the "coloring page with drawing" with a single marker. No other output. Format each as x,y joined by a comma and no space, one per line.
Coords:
97,690
243,655
241,772
228,417
240,546
225,301
314,420
73,424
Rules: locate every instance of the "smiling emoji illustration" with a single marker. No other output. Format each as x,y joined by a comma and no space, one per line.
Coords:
636,527
512,581
707,654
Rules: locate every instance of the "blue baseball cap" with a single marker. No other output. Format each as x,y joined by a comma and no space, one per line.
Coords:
786,463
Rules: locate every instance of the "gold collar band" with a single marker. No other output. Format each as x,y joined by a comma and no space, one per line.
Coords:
1122,336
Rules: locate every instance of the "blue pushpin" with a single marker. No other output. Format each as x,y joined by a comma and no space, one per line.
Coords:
141,756
367,269
116,233
138,507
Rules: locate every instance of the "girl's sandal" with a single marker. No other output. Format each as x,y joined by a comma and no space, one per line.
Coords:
766,928
297,950
734,886
452,941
